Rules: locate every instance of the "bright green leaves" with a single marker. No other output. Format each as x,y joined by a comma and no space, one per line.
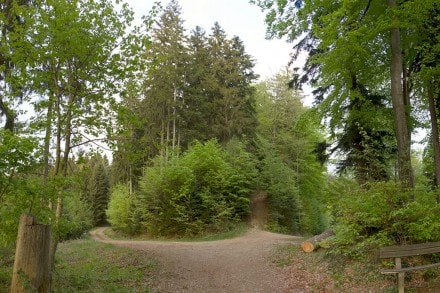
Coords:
374,215
290,172
19,191
199,191
118,212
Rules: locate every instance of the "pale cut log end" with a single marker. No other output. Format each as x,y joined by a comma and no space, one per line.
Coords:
307,246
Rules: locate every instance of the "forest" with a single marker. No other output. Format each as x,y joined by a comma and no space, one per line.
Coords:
165,132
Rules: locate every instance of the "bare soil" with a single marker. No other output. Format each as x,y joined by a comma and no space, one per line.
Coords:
242,264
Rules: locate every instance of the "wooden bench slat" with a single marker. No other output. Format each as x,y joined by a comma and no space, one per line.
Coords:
410,250
410,269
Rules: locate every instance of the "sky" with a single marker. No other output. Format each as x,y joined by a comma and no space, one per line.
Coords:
237,18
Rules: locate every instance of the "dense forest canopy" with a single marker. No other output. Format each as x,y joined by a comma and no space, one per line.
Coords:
197,139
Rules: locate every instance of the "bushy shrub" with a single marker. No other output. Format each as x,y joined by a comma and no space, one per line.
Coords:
193,193
380,214
119,209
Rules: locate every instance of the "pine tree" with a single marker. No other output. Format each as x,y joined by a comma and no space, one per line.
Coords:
164,84
229,87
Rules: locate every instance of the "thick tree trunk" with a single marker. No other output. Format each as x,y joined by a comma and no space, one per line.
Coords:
313,243
31,265
435,137
399,109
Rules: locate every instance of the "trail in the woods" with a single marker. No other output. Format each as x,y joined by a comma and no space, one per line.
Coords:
241,264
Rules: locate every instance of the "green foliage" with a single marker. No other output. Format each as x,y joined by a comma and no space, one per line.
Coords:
278,180
196,192
119,209
376,214
20,192
77,217
288,136
95,187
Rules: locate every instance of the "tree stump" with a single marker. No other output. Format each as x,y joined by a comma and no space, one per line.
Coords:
31,265
311,244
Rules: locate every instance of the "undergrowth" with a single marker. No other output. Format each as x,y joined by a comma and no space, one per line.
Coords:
236,231
324,272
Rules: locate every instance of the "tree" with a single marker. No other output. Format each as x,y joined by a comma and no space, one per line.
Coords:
428,70
288,139
346,39
366,140
400,105
75,70
192,88
96,188
228,87
164,84
16,19
199,105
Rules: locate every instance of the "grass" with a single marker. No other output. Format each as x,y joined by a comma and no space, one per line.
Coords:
326,273
6,264
89,266
237,231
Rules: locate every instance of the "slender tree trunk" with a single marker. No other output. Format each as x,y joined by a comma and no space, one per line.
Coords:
167,141
435,136
162,145
64,169
58,136
399,110
67,141
406,100
47,137
174,118
130,180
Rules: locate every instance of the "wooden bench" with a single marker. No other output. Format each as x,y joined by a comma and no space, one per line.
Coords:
399,251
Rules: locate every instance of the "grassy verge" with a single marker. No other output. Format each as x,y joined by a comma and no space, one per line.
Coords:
89,266
319,272
237,231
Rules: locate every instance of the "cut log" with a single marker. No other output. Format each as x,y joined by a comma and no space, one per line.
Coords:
313,243
31,266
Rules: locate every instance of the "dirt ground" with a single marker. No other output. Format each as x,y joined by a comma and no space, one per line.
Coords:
241,264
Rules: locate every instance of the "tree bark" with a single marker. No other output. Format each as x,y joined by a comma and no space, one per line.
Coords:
435,136
31,271
313,243
399,110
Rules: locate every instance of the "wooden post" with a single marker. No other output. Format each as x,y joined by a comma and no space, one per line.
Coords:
31,265
400,276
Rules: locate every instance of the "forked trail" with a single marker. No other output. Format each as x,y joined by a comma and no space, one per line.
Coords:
241,264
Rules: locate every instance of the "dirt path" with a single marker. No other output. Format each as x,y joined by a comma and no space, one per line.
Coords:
241,264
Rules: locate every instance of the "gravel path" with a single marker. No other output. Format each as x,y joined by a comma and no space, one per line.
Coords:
241,264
